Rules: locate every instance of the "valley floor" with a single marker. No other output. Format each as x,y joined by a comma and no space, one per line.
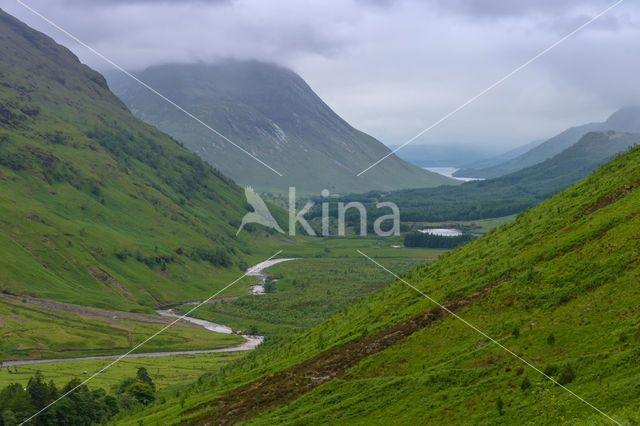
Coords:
65,341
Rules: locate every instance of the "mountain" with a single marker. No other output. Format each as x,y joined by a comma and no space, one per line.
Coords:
442,155
624,120
504,157
557,287
514,192
504,195
271,112
97,207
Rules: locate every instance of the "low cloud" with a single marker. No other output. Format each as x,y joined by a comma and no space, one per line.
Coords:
391,68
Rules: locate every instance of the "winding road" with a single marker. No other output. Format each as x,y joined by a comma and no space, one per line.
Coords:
250,343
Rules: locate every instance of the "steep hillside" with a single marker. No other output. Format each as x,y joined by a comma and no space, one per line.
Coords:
558,287
623,120
271,112
507,194
97,207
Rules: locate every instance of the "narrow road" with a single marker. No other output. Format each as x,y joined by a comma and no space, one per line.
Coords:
250,343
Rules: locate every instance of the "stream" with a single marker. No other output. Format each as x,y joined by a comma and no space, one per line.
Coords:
250,343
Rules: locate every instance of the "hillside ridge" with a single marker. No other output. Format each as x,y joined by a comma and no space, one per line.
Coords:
98,207
625,120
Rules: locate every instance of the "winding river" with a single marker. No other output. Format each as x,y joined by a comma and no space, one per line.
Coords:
250,343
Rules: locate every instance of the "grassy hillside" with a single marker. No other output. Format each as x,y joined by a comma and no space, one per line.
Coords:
507,194
97,207
558,287
271,112
624,120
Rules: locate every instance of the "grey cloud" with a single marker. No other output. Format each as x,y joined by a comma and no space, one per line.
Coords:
390,67
493,8
89,3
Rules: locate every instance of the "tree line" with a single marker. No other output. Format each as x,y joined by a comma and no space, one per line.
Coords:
418,239
82,406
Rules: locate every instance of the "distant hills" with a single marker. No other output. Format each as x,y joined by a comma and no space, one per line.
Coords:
623,120
507,194
271,112
443,154
97,207
501,158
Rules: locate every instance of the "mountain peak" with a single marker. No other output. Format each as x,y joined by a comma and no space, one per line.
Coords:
271,112
625,119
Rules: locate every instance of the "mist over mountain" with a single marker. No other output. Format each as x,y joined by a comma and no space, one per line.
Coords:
271,112
624,120
503,157
444,154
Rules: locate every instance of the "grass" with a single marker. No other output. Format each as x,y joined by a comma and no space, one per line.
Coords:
567,268
308,290
34,332
170,372
98,208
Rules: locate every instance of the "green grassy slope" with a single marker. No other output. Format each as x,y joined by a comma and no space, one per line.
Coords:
558,286
271,112
97,207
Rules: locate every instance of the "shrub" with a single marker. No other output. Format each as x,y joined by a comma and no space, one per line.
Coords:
217,257
551,370
140,389
122,254
56,138
269,286
566,374
515,332
500,406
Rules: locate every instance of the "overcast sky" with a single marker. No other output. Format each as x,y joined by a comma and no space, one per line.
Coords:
390,68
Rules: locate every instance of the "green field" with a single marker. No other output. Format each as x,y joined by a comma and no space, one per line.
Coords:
328,275
35,332
167,372
308,290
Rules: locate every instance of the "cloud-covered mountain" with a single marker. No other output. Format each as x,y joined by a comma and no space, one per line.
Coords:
272,113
